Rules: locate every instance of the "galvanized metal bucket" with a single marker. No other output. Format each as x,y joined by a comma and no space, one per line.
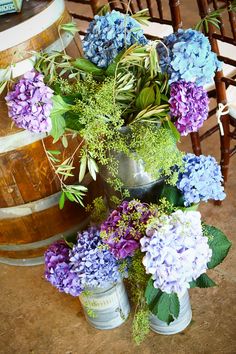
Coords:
140,184
106,308
178,325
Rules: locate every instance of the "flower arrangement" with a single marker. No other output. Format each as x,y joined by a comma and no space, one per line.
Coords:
124,83
172,255
131,97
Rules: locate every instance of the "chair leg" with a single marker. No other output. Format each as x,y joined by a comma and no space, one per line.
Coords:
196,144
225,147
95,4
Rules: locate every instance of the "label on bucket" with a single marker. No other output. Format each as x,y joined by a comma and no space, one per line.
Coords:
102,300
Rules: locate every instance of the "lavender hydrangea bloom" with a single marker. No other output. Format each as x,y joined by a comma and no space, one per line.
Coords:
91,262
188,106
108,35
176,251
58,271
200,180
29,103
124,228
189,57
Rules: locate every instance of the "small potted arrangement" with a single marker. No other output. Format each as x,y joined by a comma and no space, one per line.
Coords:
86,269
168,253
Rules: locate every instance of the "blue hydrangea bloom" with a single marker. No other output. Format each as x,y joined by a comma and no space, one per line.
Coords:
188,57
92,263
108,35
200,180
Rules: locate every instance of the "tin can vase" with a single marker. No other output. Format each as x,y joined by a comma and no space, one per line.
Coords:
106,308
179,324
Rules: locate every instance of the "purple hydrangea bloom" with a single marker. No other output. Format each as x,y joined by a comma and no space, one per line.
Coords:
189,57
29,103
124,228
176,251
91,262
189,106
108,35
201,179
58,270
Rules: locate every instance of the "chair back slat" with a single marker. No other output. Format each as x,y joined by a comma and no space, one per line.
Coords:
217,38
232,20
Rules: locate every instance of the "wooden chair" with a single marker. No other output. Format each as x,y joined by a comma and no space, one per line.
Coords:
164,18
223,43
83,11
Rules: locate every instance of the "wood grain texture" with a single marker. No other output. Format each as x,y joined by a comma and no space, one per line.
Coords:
25,172
39,42
46,223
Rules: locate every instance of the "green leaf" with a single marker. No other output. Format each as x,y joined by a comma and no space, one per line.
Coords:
219,244
169,125
3,84
158,96
173,195
59,106
54,152
111,69
202,282
64,141
145,98
70,27
72,121
70,196
62,200
86,66
168,307
79,187
93,168
104,10
82,170
58,126
152,296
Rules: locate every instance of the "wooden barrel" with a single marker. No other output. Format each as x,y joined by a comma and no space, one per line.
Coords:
30,218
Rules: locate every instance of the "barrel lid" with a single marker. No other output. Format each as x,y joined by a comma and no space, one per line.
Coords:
29,9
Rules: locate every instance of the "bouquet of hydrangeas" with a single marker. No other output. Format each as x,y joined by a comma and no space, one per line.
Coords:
153,88
173,251
86,264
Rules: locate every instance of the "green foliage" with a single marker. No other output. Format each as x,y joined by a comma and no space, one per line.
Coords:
70,27
164,306
98,210
202,282
157,148
142,17
232,6
219,244
58,121
86,66
140,326
212,18
138,279
173,195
